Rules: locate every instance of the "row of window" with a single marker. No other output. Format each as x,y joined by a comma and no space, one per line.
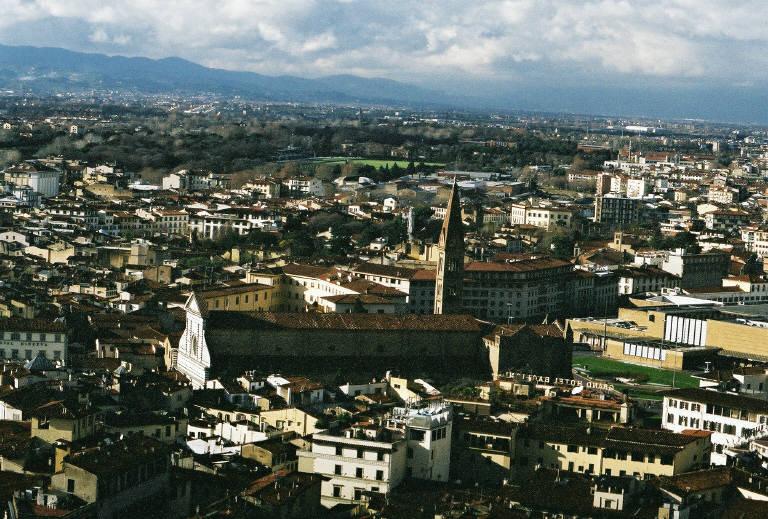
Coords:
157,433
28,354
28,336
237,299
358,493
708,425
684,405
359,473
359,453
523,461
439,434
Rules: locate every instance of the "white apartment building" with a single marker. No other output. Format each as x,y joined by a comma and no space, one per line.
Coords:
196,180
647,279
25,339
733,419
36,175
240,220
316,283
638,187
326,288
428,434
388,275
309,186
170,221
723,194
726,221
755,240
416,442
351,466
546,217
267,188
619,184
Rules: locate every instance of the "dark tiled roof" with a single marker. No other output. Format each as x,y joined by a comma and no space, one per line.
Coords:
526,265
705,396
392,271
136,419
618,438
309,271
233,290
689,482
363,286
542,330
560,434
17,324
122,456
352,298
649,436
743,508
333,321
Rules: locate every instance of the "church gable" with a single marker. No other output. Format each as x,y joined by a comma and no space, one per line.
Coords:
193,357
196,305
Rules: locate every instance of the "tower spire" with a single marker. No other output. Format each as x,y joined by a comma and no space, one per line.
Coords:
450,264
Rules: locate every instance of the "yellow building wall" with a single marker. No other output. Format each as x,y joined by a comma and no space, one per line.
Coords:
64,429
750,341
252,301
291,419
652,320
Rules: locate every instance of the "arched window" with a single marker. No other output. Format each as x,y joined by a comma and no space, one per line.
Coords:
194,345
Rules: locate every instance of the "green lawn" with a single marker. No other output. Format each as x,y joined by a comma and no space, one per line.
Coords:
635,392
376,163
655,376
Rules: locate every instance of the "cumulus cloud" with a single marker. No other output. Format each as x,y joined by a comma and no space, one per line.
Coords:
101,36
499,39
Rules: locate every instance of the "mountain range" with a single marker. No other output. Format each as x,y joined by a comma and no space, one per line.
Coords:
51,70
45,70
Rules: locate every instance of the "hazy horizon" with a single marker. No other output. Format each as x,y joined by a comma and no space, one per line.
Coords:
666,59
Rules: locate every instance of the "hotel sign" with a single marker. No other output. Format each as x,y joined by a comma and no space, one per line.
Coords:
557,381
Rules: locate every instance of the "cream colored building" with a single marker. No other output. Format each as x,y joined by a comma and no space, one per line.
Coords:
416,442
291,419
618,451
351,465
546,217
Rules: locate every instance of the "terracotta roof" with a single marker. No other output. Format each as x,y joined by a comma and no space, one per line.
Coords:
425,274
743,508
17,324
333,321
516,266
369,299
282,487
618,438
233,290
385,270
128,454
309,271
542,330
690,482
363,286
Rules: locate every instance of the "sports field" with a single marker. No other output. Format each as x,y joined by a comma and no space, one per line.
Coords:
376,163
602,367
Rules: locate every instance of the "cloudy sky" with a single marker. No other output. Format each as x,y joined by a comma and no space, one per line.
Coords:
688,55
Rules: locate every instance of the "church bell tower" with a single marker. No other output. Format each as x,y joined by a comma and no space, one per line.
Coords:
450,263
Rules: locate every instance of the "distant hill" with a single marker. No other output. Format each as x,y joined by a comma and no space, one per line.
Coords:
50,70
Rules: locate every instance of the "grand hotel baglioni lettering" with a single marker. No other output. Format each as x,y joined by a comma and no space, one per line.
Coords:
557,381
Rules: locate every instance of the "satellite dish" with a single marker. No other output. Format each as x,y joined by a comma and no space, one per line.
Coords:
577,390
